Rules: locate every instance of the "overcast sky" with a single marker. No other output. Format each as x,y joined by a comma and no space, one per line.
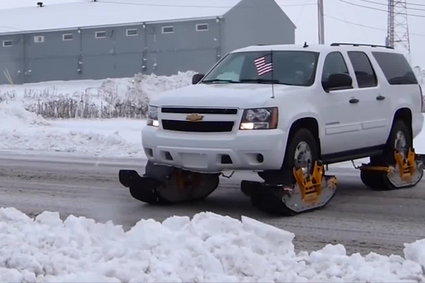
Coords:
346,21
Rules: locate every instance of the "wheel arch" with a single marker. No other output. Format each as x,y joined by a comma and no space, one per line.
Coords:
405,115
307,123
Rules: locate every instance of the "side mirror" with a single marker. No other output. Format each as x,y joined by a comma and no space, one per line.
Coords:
196,78
337,81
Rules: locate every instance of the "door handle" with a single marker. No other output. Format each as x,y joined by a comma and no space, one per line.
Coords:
354,100
380,97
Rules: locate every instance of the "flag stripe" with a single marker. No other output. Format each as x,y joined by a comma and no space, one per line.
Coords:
263,67
267,66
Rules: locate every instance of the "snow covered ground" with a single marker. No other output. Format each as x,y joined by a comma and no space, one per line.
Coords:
209,247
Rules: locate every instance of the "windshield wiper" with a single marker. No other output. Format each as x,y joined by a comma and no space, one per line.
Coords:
219,80
260,81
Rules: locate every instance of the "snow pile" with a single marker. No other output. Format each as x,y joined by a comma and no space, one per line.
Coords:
416,252
108,98
23,130
13,115
208,248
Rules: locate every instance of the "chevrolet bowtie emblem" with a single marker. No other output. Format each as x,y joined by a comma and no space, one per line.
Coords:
194,117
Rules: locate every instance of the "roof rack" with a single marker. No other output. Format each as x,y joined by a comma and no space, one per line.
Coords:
360,44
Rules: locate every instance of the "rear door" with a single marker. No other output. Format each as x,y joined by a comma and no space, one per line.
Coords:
374,105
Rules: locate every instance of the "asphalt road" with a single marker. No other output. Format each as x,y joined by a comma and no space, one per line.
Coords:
357,217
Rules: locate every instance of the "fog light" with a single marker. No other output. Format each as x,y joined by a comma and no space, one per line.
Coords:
260,158
168,156
225,159
149,152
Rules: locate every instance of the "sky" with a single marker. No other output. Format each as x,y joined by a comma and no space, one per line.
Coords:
206,248
345,21
361,21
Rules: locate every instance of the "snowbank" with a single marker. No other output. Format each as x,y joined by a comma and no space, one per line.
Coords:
108,98
24,130
207,248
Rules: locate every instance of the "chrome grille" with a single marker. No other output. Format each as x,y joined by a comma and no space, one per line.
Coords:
210,119
222,111
206,126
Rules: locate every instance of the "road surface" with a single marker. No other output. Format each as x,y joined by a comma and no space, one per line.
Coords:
357,217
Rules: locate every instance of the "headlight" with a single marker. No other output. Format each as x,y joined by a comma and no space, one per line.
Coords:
259,119
153,116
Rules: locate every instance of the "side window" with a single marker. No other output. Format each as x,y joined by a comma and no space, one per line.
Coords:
67,36
202,27
7,43
131,32
168,29
363,69
334,64
100,34
39,39
396,68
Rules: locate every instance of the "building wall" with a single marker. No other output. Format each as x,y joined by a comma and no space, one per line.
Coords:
270,26
115,55
51,59
184,49
11,59
148,49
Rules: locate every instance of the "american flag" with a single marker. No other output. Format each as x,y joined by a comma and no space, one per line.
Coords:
263,67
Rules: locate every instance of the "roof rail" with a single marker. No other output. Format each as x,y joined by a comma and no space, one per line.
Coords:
360,44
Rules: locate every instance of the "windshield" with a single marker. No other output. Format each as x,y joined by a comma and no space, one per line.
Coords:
280,67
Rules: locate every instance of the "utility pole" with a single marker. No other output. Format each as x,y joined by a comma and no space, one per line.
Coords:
389,41
398,28
321,22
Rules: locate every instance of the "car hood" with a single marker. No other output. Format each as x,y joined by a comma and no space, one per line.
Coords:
217,95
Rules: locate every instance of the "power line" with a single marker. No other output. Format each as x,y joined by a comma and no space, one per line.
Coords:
159,5
415,4
365,26
186,6
377,9
295,5
189,6
355,24
385,4
382,4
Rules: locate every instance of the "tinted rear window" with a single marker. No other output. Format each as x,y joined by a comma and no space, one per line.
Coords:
363,69
396,68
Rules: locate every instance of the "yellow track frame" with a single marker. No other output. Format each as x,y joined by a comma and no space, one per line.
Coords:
186,180
406,165
311,186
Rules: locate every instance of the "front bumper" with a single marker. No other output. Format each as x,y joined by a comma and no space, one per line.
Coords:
215,152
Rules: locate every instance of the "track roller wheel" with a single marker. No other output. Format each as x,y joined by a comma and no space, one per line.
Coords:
398,166
407,172
163,184
311,192
300,184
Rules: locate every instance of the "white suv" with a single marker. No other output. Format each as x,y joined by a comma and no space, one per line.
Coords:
279,109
